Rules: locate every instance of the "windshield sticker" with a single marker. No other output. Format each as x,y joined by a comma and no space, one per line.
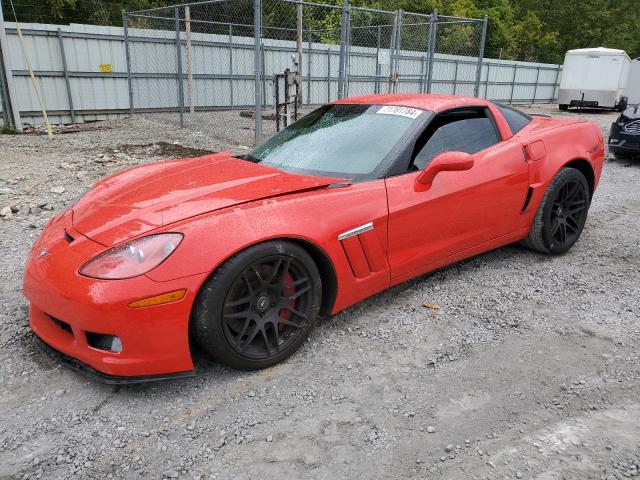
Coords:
412,113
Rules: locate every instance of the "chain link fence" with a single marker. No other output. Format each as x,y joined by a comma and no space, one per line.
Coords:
186,60
458,41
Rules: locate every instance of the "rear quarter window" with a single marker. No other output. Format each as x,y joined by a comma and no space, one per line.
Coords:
516,119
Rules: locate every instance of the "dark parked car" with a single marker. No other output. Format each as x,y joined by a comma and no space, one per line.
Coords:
624,139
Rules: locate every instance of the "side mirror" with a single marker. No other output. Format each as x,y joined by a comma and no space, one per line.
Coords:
444,162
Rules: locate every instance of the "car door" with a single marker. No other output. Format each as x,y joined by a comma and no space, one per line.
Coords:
462,209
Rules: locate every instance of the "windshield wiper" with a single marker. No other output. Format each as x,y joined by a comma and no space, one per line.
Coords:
246,156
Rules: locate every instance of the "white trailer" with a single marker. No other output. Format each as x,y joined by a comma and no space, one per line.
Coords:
594,77
633,84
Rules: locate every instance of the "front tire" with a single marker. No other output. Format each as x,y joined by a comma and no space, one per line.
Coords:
561,215
259,307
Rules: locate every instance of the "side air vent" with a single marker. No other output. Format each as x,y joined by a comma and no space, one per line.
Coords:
527,200
363,250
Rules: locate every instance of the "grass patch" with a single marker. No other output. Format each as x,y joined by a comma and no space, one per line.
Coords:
8,130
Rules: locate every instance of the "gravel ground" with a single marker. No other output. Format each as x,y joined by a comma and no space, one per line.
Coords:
523,365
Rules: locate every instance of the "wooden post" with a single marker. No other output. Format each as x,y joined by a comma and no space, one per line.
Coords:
36,87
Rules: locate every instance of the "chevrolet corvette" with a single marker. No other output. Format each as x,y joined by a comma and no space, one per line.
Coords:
242,254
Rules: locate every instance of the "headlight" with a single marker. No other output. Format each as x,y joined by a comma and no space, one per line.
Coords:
132,258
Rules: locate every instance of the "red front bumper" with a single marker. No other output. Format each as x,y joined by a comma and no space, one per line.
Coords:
66,306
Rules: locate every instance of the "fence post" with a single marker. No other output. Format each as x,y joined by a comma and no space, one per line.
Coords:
11,96
483,38
392,53
309,43
347,58
433,25
344,33
299,25
486,83
66,76
377,84
187,26
555,86
398,48
179,64
535,89
265,81
4,96
231,65
328,74
513,82
257,67
424,60
455,77
125,26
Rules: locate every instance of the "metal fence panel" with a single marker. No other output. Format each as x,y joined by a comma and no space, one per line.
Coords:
416,54
222,61
459,40
371,52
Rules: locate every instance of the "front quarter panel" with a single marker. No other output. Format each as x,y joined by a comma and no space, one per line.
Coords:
317,217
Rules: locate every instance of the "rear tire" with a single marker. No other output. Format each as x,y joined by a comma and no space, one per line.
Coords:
259,307
561,215
563,106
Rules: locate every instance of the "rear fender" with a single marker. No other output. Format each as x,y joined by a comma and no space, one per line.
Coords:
579,145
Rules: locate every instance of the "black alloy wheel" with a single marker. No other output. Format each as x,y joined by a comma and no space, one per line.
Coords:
266,308
259,306
561,214
568,213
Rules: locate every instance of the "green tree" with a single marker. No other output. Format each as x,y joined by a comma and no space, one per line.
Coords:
531,42
541,30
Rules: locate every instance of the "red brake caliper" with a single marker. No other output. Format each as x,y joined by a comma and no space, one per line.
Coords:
287,292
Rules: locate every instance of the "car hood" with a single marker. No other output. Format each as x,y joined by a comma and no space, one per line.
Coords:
631,113
141,199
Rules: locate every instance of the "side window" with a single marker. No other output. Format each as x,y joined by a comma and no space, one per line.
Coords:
469,130
515,118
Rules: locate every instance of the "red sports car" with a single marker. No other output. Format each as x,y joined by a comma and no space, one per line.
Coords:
242,254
